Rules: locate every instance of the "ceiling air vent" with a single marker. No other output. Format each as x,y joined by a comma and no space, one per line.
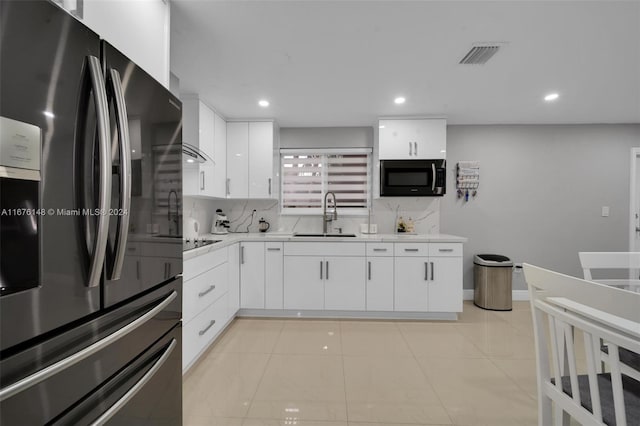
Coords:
480,54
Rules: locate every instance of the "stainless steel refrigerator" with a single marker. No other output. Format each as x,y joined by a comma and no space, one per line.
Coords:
90,221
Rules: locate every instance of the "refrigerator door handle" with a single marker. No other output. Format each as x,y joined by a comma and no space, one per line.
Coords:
122,232
113,410
65,363
104,195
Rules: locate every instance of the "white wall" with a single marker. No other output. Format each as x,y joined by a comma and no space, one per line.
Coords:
139,29
541,192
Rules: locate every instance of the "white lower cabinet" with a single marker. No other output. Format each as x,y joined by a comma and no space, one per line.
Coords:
344,287
252,274
445,288
428,277
198,333
304,282
273,276
205,302
380,283
411,284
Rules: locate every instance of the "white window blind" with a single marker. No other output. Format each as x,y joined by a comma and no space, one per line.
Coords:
308,174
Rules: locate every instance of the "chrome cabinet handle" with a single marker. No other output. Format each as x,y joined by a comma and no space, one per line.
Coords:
204,330
228,186
407,249
410,152
321,269
202,180
379,249
269,186
273,249
137,387
207,291
415,148
432,268
104,191
137,269
426,271
122,122
63,364
369,271
445,250
327,268
242,255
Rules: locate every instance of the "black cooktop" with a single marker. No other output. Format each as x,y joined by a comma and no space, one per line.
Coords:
194,244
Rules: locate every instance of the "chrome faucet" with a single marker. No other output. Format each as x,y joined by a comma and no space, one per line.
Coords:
333,216
175,218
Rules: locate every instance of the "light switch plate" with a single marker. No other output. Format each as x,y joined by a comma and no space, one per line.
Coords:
605,211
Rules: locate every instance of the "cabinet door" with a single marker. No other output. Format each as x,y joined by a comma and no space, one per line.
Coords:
190,130
219,174
411,284
273,278
303,282
252,275
206,134
237,160
431,139
445,284
380,283
412,139
233,272
396,140
344,283
260,159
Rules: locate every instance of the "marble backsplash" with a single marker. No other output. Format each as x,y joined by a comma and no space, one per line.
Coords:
424,211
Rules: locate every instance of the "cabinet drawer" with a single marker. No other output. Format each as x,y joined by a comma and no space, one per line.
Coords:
379,249
198,333
200,264
324,249
201,291
445,249
411,249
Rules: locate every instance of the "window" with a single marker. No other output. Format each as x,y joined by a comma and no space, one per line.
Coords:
308,174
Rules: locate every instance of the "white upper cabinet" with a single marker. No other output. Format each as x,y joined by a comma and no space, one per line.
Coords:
237,160
204,129
260,159
139,29
250,159
412,139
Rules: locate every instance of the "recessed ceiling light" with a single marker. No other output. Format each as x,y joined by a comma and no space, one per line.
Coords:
399,100
263,103
382,126
189,160
551,97
48,114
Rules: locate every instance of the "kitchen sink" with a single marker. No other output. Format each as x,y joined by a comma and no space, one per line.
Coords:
323,235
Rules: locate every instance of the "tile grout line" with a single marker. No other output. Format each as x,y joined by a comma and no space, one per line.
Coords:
424,374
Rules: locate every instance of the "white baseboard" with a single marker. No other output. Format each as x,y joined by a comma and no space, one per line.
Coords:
518,295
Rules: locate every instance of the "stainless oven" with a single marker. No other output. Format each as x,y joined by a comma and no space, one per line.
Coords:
412,178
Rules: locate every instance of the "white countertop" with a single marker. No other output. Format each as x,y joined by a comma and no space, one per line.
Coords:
228,239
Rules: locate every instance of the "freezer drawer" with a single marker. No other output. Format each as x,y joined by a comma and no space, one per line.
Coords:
40,383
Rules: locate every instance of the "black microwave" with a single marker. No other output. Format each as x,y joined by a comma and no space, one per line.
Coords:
412,178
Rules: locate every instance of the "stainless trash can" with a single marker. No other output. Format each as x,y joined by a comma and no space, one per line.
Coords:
492,274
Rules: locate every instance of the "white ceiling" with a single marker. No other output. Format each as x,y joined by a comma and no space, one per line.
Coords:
341,63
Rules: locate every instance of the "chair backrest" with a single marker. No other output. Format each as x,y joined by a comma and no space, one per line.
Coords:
629,261
591,310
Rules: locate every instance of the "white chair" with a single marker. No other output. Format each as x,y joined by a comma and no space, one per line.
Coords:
563,308
628,261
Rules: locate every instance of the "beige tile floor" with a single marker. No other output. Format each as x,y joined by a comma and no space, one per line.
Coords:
479,370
